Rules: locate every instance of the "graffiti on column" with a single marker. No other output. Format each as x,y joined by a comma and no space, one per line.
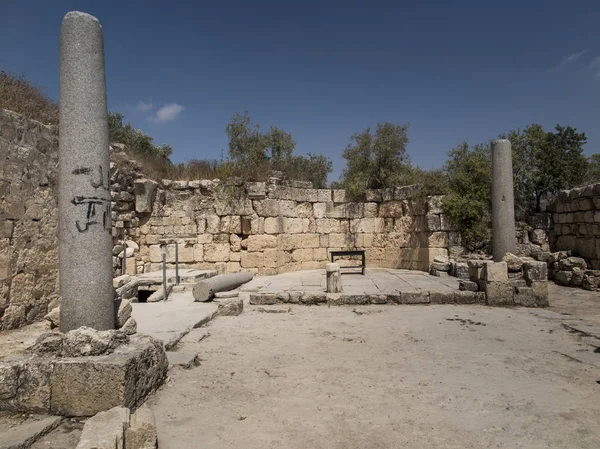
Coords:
95,209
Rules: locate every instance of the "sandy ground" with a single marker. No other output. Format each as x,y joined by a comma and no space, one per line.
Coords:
387,377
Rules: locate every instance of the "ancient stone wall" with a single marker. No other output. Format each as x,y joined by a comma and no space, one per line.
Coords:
28,220
276,226
576,223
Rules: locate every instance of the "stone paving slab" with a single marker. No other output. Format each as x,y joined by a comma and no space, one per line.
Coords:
171,320
186,275
375,281
24,434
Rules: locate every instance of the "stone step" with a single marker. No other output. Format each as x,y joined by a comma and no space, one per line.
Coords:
183,358
22,435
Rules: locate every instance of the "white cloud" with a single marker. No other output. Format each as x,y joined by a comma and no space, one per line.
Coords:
167,113
572,57
143,106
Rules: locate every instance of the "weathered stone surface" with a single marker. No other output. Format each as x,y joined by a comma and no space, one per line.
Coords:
53,317
535,271
256,190
513,263
106,430
120,281
461,270
80,342
123,311
563,277
567,264
141,433
87,385
130,326
467,285
436,297
415,297
498,293
494,271
230,307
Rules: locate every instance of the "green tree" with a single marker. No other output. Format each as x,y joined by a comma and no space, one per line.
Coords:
253,154
133,138
545,162
376,160
469,197
593,171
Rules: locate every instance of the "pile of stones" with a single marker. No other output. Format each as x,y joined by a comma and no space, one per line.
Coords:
572,271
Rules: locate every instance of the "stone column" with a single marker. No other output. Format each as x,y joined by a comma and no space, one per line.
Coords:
334,278
85,240
503,201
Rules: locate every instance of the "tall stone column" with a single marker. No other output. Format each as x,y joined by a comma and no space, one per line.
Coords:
85,241
503,201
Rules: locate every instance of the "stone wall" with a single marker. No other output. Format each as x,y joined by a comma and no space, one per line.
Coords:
276,226
576,223
28,220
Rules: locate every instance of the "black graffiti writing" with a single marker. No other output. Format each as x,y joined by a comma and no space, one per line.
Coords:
97,177
92,206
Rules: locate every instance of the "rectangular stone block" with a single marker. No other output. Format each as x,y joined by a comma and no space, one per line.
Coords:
441,297
494,271
294,241
252,259
261,242
319,210
415,297
324,195
84,386
339,196
498,293
334,210
535,271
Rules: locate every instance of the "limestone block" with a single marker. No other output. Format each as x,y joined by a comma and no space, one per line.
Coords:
374,254
271,258
294,241
494,271
437,240
513,263
371,210
324,195
461,271
569,263
434,205
267,207
319,254
373,195
84,386
261,242
233,206
123,311
216,252
256,190
213,223
302,255
330,225
233,267
415,297
144,191
252,259
273,225
577,278
355,210
433,222
319,210
106,430
302,210
252,224
341,240
468,285
535,271
538,236
295,225
498,293
364,240
367,225
392,209
235,243
475,268
563,277
130,326
339,196
334,210
6,229
198,252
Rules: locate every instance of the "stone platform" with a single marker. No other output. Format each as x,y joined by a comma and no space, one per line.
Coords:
377,285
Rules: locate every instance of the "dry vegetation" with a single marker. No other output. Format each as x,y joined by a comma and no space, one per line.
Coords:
21,96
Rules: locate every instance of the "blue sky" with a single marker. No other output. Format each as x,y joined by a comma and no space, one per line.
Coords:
461,70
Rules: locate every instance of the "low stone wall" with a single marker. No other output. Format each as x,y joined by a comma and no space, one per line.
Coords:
576,223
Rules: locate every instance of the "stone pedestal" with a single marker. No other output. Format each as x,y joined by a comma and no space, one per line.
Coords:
85,241
503,201
334,278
